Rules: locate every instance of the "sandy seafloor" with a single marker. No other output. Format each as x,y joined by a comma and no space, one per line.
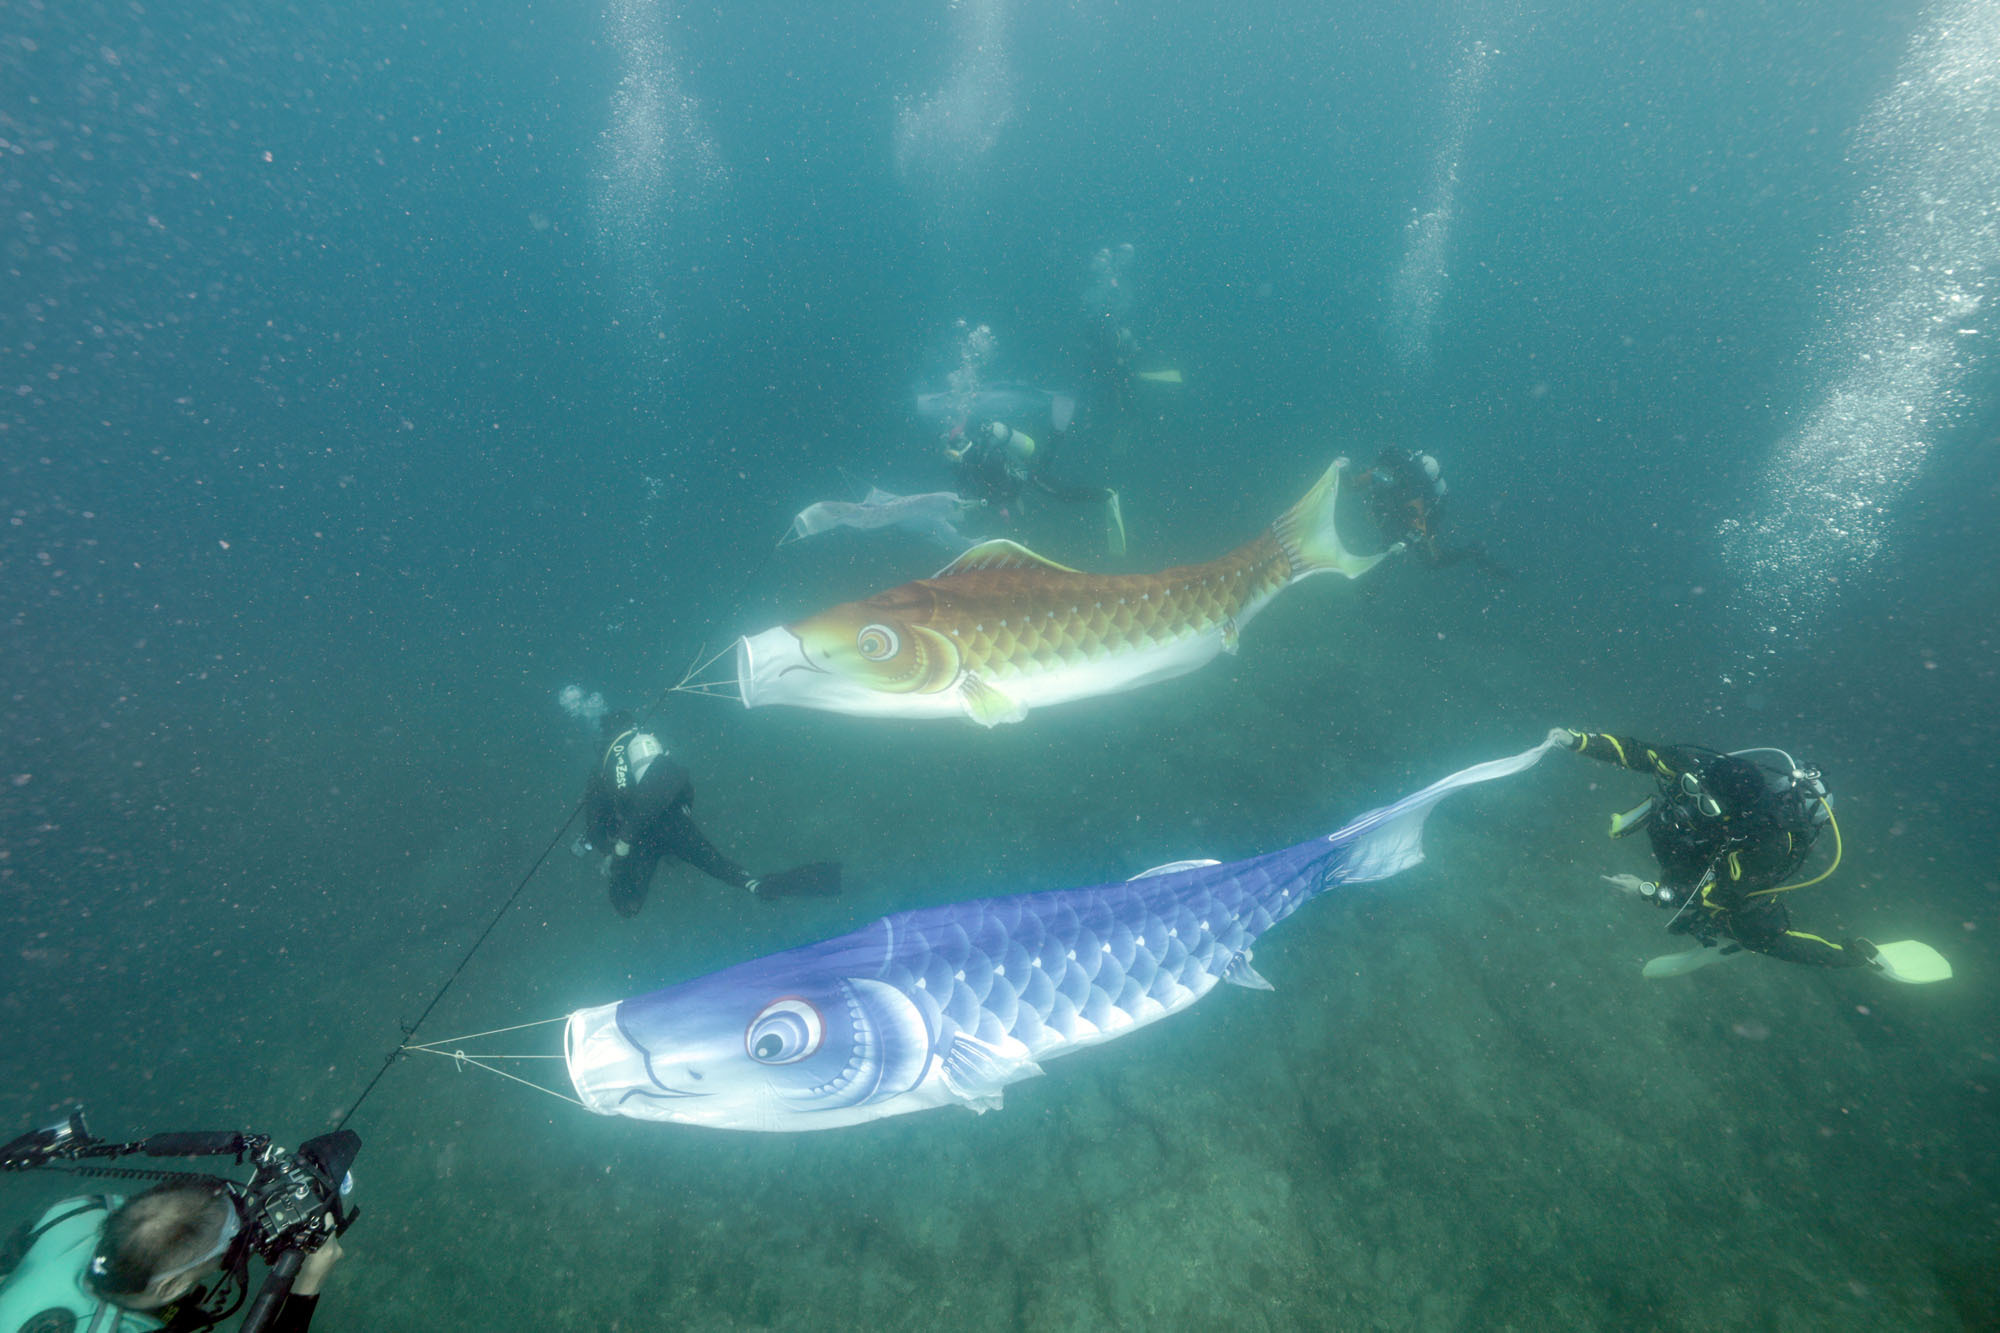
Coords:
368,376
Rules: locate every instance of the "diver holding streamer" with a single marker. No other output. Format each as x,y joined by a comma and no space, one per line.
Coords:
998,465
175,1257
636,811
1405,493
1729,833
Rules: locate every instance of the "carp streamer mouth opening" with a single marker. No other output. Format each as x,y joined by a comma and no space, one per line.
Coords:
692,681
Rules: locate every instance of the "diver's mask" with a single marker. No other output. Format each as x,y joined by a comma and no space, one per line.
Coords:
1699,798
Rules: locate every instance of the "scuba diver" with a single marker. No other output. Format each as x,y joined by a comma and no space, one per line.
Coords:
129,1266
1108,295
1728,833
1113,346
636,812
997,465
1405,492
175,1257
1107,305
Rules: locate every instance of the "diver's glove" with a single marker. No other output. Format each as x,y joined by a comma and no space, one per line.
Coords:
1564,737
821,879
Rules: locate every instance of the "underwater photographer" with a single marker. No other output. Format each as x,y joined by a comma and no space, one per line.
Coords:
177,1255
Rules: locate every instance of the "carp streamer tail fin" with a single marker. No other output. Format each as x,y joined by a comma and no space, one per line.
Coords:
1309,538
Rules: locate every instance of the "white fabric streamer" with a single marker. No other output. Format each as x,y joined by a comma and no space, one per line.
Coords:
935,515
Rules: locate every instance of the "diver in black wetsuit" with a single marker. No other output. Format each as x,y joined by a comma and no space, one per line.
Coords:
1405,492
636,812
998,464
1727,835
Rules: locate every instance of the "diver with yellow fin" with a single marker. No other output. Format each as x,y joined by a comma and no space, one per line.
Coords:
998,464
1118,352
1729,834
1405,492
1112,347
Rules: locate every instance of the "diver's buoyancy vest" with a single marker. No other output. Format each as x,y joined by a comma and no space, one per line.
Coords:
1685,845
46,1293
1688,843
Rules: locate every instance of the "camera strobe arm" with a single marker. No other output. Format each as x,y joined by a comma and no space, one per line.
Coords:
71,1141
198,1143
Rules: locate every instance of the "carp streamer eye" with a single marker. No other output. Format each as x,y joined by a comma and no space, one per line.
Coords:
785,1032
877,643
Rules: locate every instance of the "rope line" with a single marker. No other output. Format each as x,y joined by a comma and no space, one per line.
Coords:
724,688
682,686
411,1030
475,1036
461,1059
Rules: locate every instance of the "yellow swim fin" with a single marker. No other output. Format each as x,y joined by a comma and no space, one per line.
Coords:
1911,961
1635,818
1159,376
1680,964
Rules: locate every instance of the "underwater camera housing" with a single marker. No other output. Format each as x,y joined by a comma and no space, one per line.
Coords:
292,1203
295,1200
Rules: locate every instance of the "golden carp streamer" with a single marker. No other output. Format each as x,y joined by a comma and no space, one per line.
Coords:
1001,630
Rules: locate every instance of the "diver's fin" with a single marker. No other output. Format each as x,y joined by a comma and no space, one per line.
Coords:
1632,820
1680,964
987,706
1307,535
1173,867
1230,639
999,554
1159,376
820,879
1911,961
976,1073
1114,524
1240,973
